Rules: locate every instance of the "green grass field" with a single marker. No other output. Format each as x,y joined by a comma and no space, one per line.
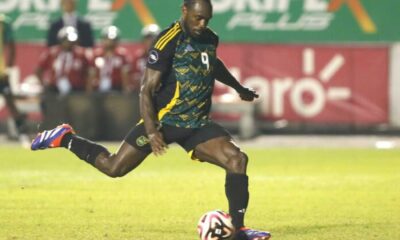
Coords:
297,194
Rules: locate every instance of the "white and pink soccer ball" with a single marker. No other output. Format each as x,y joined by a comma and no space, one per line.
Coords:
215,225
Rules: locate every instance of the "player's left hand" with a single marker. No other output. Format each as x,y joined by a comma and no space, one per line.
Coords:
247,94
157,143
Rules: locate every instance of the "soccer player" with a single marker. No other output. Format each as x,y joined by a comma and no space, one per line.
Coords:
111,64
175,102
7,60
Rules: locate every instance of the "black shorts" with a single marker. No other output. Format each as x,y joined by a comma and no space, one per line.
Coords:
188,138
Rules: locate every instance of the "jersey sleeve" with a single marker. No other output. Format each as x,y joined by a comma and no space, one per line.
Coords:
162,52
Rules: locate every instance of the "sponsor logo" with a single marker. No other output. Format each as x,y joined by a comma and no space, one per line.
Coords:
38,13
257,15
306,95
284,15
153,57
358,11
142,140
142,11
101,13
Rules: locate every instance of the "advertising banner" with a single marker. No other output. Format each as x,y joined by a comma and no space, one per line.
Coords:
313,84
274,21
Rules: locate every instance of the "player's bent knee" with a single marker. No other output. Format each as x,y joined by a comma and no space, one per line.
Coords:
237,163
108,165
115,173
117,170
243,160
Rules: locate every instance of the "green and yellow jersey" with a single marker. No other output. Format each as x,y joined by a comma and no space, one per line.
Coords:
187,65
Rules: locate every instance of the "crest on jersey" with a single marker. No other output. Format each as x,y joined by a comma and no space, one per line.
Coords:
142,140
153,57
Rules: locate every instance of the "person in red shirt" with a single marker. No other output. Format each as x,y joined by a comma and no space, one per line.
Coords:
148,33
110,65
65,65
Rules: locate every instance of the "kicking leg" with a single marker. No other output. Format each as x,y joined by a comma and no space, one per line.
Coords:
223,152
118,164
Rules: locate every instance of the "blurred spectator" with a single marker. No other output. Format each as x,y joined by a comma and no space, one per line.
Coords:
7,60
148,33
71,18
111,64
65,63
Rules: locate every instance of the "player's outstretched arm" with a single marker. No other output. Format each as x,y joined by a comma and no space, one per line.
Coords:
151,82
223,75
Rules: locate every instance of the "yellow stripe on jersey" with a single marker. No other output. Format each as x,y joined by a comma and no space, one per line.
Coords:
169,39
171,104
167,34
160,44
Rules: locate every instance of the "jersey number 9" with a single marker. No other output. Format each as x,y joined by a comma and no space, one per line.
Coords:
204,59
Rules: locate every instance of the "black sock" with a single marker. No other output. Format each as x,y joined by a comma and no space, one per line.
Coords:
83,148
237,192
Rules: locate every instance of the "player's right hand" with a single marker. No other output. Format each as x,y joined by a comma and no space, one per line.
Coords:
157,143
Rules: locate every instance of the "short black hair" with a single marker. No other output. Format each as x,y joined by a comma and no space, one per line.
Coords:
190,3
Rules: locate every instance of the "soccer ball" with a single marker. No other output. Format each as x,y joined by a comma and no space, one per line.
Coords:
215,225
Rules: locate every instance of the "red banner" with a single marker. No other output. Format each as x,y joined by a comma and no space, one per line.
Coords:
314,84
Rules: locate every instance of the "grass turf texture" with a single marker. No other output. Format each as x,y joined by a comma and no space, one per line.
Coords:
298,194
